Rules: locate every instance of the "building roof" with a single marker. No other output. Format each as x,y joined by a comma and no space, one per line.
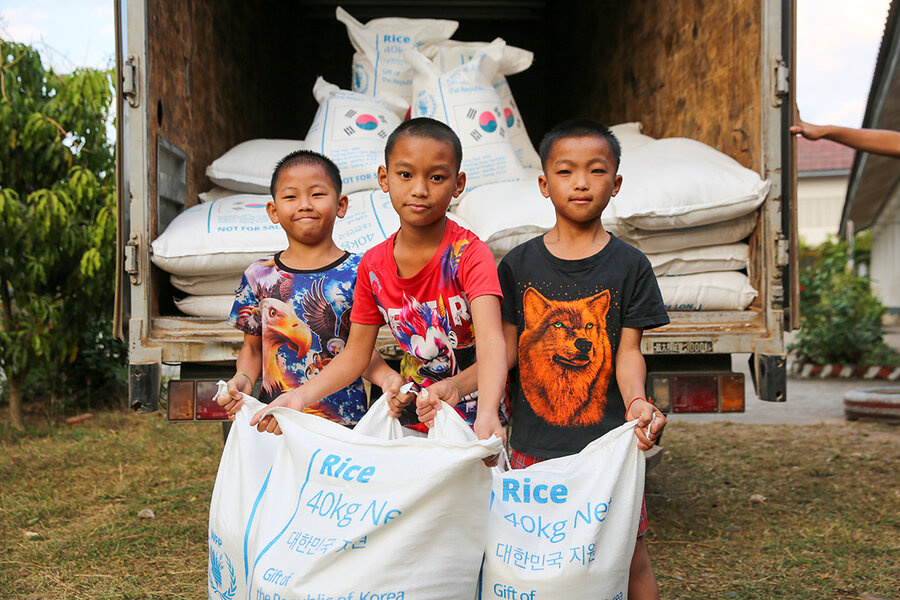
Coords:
874,177
823,155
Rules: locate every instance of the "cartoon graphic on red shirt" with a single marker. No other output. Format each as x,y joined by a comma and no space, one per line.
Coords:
427,334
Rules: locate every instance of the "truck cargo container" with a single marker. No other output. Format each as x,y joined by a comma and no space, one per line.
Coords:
197,78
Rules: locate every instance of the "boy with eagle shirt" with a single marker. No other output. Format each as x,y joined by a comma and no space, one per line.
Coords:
294,306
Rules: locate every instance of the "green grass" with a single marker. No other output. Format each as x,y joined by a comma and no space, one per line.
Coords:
829,528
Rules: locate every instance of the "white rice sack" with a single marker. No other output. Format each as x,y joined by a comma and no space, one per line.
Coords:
506,214
219,237
451,54
727,257
677,182
464,99
378,65
216,193
656,242
630,136
351,129
459,221
248,167
207,307
725,290
370,220
207,285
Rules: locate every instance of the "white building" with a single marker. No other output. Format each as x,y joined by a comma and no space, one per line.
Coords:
873,195
823,172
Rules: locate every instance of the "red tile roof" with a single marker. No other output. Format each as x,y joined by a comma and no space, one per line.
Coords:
823,155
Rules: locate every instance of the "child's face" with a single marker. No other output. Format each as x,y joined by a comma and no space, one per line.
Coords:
306,204
421,179
580,177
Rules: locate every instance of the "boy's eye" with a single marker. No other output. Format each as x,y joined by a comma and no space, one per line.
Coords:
563,172
437,178
405,174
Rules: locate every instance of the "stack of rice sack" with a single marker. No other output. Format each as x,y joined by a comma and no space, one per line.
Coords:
687,225
689,208
206,248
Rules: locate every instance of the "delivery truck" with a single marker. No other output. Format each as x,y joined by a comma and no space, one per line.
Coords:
196,78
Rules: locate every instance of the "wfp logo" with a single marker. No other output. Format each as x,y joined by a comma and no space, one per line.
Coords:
360,79
425,104
217,580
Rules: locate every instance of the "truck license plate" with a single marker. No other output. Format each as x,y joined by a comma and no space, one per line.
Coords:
683,347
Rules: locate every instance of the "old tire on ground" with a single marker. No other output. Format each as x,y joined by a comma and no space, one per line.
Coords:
878,403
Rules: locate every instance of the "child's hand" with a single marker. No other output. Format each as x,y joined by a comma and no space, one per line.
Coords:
487,425
647,433
429,402
233,400
268,423
395,400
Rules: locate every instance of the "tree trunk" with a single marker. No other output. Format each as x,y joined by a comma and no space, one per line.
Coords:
16,415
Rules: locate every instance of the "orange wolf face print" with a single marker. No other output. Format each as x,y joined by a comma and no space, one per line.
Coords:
565,358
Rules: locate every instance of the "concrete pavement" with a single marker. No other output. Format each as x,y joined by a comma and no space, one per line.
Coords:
809,401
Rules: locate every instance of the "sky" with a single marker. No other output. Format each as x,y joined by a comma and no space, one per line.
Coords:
837,45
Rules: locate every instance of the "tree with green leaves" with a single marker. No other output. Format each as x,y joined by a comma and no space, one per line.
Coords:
57,216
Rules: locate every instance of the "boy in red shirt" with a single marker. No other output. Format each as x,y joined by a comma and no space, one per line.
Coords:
434,283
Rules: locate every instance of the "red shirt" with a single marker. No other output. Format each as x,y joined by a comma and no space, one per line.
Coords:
429,313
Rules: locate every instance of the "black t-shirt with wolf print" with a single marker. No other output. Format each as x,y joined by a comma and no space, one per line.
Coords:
569,315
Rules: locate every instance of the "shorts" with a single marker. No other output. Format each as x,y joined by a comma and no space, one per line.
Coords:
520,460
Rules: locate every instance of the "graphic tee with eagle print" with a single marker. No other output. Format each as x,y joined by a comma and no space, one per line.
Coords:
303,318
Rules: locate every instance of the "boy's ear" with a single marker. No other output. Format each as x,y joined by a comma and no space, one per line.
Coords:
343,204
618,185
460,184
383,179
544,185
270,210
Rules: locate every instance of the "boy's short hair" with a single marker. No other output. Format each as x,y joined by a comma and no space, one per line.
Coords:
426,128
579,128
307,157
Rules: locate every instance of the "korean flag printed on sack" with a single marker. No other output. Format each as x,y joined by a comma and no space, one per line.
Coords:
566,527
352,129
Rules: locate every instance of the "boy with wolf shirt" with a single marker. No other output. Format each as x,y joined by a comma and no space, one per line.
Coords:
575,303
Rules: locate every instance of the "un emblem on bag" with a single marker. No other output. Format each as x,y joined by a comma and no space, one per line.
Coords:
217,567
360,79
425,104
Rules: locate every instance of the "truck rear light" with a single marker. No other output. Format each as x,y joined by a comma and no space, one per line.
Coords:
731,388
661,392
181,400
194,400
696,392
207,407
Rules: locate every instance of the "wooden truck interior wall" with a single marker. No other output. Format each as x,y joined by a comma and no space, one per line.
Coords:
224,72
